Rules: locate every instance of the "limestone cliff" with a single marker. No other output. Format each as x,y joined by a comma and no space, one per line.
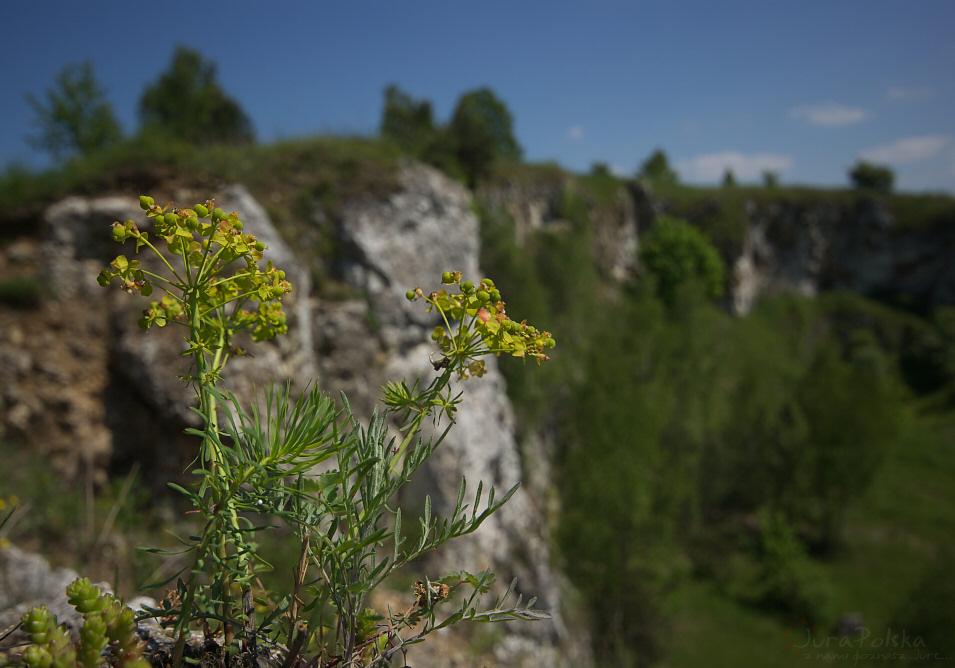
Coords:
861,247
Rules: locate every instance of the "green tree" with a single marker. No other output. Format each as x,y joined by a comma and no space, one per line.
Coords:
406,121
482,131
76,118
729,178
657,168
188,103
676,254
868,176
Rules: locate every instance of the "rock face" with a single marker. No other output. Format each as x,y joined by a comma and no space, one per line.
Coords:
541,206
85,355
408,241
813,247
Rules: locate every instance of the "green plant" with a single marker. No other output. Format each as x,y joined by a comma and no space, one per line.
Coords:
657,168
868,176
788,578
262,462
406,121
676,253
106,623
76,118
481,131
188,103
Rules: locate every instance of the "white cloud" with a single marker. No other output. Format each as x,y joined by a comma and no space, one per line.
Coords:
906,94
712,166
575,132
908,149
830,115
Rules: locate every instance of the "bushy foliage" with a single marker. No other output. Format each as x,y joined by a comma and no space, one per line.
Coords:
482,131
657,168
479,134
187,102
406,121
788,579
868,176
676,254
76,119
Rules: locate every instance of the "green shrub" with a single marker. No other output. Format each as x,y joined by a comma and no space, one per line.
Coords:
76,119
676,254
788,579
868,176
187,103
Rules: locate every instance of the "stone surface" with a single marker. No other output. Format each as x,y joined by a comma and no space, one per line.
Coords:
807,248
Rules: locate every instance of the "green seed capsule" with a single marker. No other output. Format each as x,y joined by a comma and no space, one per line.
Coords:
145,202
171,219
201,210
410,295
483,296
217,215
447,278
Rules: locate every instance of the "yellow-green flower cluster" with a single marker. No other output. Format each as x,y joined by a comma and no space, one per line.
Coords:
208,240
480,326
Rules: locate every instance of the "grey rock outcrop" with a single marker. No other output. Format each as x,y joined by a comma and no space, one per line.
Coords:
808,248
408,241
538,206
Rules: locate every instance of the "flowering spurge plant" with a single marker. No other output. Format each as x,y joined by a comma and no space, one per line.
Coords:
261,462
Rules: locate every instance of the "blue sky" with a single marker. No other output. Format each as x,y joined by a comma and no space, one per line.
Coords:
804,88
